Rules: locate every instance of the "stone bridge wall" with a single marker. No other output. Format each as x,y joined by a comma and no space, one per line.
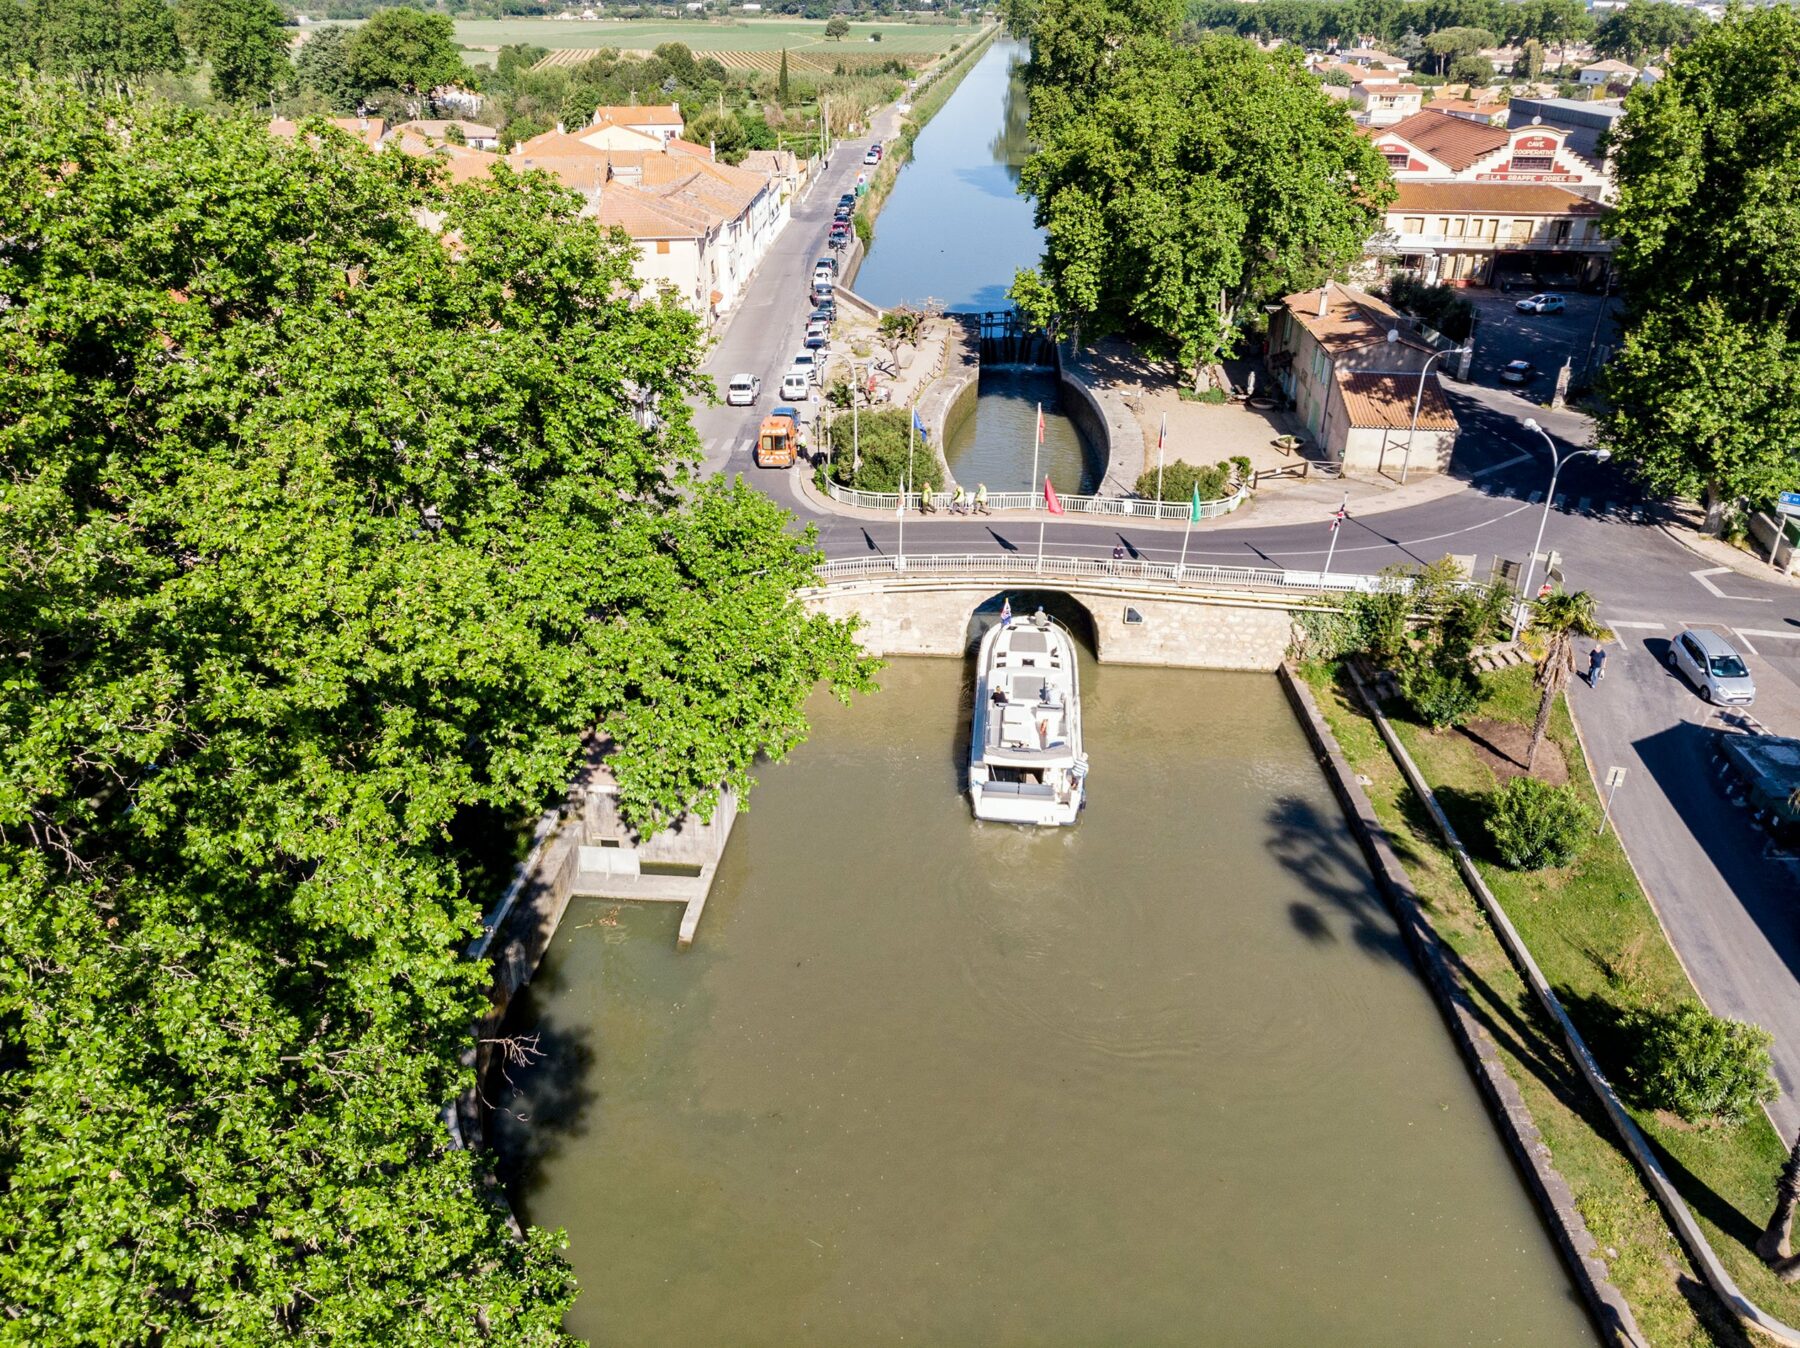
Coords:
1193,631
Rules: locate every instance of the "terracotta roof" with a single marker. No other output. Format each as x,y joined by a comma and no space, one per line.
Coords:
438,128
461,162
1453,141
1353,318
650,114
1502,198
676,145
1611,68
643,216
1386,401
369,130
1373,54
1387,88
557,143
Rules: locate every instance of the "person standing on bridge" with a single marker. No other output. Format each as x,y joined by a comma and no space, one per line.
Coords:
981,505
925,506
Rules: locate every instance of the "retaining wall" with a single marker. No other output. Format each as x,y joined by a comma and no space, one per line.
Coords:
1107,424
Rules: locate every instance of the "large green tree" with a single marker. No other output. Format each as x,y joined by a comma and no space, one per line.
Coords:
323,537
1178,184
1648,30
242,41
403,48
104,45
1704,391
322,69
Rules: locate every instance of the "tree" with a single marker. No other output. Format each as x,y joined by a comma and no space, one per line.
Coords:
1647,28
1704,386
782,96
836,27
723,132
1775,1245
899,327
104,45
242,40
404,48
1534,58
1448,44
1183,183
322,68
1558,619
1475,71
320,543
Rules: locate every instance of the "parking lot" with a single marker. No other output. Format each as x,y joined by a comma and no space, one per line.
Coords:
1546,340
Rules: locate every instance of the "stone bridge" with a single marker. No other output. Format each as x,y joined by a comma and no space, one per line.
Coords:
1138,612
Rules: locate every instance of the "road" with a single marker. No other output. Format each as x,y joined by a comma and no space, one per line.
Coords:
1729,902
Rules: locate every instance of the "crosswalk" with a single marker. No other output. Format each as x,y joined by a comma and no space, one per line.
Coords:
1610,508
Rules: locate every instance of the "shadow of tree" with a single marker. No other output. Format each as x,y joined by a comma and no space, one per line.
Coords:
539,1106
1319,851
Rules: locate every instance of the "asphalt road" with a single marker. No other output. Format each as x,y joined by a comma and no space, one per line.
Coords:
1731,903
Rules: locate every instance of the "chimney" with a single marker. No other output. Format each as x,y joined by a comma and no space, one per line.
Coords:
712,150
1324,296
561,130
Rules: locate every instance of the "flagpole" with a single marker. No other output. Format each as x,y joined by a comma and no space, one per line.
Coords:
900,553
1161,436
1181,570
1336,520
1037,443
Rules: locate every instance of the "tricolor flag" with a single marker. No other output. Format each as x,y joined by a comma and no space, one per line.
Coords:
1337,517
1162,436
1051,504
1006,613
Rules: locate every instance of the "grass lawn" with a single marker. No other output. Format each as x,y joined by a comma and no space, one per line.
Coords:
1600,945
704,36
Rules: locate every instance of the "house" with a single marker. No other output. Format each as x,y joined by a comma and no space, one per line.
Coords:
662,120
1353,368
1370,58
1438,146
1384,104
369,130
473,134
1487,112
1477,233
1608,72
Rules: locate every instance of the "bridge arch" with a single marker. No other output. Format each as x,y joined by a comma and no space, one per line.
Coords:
1064,605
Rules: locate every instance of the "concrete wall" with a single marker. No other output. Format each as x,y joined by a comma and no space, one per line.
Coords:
925,617
1366,448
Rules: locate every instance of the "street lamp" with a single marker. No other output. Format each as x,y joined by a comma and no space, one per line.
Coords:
1558,458
1418,400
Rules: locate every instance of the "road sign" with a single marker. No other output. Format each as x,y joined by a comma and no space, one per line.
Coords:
1788,503
1615,777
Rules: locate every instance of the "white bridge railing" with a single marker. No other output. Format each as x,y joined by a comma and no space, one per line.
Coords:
1131,506
1173,574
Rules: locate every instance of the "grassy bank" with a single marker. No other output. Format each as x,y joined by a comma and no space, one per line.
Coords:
1599,943
929,99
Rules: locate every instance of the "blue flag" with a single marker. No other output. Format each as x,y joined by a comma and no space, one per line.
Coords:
919,426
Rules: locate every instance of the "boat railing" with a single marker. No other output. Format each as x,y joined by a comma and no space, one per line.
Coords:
1132,507
1173,574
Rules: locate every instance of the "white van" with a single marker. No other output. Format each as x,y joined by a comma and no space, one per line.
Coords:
796,387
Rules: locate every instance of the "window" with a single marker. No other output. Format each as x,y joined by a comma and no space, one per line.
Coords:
1443,226
1456,229
1413,224
1521,231
1534,163
1560,233
1397,159
1490,229
662,245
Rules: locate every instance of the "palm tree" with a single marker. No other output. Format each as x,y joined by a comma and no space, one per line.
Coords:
1559,619
1773,1247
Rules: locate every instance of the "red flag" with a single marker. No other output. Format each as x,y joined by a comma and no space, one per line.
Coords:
1051,504
1040,432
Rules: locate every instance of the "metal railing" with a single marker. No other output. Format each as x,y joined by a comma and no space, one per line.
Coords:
1173,574
1130,506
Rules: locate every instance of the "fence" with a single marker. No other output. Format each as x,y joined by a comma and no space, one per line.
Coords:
982,564
1130,506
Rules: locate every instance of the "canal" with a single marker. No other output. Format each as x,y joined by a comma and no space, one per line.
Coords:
953,232
1168,1077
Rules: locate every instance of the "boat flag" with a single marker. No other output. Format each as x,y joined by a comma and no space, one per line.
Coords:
1194,506
1162,436
919,426
1006,612
1051,504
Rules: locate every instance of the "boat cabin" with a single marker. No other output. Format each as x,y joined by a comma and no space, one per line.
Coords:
1028,700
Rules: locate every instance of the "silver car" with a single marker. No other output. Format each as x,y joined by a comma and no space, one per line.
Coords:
1708,662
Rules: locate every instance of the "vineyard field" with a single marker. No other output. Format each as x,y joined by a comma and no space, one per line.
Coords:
906,40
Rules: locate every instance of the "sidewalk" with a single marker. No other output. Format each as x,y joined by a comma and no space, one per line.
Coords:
1683,529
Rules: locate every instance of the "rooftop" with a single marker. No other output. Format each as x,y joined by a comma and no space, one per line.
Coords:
1386,401
1454,141
1348,318
648,114
1500,198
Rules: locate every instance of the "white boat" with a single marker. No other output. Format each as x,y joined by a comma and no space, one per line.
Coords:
1025,759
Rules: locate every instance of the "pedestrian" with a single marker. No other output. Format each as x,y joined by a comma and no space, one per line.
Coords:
981,505
1117,557
1596,666
959,503
925,506
1040,619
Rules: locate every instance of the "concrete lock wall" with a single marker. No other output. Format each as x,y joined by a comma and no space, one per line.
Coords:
1131,626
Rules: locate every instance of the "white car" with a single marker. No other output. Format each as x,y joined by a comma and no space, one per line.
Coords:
796,387
743,390
806,363
1541,304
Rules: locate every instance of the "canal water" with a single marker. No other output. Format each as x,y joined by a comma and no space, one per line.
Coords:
1167,1077
954,230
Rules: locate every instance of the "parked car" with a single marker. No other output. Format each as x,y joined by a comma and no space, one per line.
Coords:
843,210
848,199
822,291
828,263
796,386
743,390
873,157
1517,372
823,276
818,334
806,363
825,309
1541,304
1717,672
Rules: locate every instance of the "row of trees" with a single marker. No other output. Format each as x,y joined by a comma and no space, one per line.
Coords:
1182,184
322,548
1705,392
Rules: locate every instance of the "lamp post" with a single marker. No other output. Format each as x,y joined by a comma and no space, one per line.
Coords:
1418,400
1557,459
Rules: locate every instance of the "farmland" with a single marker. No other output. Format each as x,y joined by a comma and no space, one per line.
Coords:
742,35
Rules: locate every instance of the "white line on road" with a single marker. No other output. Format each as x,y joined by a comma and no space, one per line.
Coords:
1746,640
1644,627
1764,632
1505,463
1716,592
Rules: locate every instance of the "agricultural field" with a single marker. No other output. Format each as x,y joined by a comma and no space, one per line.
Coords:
713,38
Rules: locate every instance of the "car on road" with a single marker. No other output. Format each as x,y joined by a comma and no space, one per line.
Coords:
1541,304
796,386
1718,673
806,363
825,309
843,210
1517,372
743,390
822,291
829,263
823,276
818,334
873,157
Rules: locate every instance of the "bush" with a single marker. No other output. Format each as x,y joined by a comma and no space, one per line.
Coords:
879,438
1699,1065
1439,306
1180,478
1441,693
1533,824
1215,396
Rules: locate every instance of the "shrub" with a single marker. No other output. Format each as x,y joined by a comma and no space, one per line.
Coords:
1381,622
1699,1065
1214,396
1533,824
1441,693
1180,478
1438,306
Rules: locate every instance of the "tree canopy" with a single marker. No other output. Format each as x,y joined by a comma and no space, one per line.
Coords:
1179,182
325,536
243,42
1314,23
101,44
407,49
1704,388
1648,30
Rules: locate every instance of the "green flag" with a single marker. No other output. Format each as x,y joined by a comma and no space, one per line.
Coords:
1194,506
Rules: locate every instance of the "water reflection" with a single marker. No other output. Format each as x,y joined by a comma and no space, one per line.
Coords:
995,444
1011,147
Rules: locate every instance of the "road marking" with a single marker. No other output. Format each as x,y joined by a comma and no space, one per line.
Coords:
1746,640
1496,467
1763,632
1640,627
1717,593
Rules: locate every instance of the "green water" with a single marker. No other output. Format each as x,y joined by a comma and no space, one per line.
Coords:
1167,1077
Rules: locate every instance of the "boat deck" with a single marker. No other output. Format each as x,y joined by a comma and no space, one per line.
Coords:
1033,719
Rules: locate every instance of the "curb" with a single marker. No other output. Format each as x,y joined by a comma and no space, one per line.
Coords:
1556,1200
1754,570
